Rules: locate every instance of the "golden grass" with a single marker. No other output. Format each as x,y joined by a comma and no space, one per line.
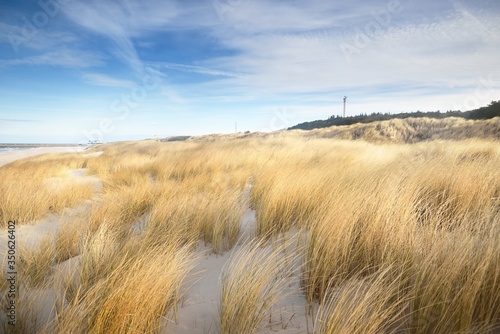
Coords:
143,292
34,264
428,200
67,242
456,288
134,289
251,284
409,130
215,217
189,190
100,254
399,238
374,304
122,207
34,187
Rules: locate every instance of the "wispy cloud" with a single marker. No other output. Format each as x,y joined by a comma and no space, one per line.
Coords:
121,21
40,39
283,57
63,57
193,69
106,81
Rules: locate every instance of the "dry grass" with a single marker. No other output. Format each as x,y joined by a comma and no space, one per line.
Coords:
123,206
34,187
399,238
100,255
194,191
374,304
214,217
416,208
251,284
67,242
456,286
134,290
409,130
34,265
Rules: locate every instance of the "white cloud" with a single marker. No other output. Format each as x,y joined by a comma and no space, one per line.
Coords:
122,21
20,37
106,81
451,51
193,69
63,57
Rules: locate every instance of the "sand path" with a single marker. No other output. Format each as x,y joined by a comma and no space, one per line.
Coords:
198,311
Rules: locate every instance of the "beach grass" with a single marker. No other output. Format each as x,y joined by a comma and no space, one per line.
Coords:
254,280
33,187
398,238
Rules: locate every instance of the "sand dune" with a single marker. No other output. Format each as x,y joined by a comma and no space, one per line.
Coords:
287,232
409,130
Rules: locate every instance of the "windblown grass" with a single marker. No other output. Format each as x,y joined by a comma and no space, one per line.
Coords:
32,188
397,210
100,255
67,242
456,286
133,292
215,217
374,304
398,238
414,130
35,264
251,284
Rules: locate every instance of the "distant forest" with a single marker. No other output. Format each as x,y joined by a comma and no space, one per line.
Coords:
490,111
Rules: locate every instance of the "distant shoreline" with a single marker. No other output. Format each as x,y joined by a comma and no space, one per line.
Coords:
31,151
17,145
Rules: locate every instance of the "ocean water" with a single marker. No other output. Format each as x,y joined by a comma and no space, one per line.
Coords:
8,149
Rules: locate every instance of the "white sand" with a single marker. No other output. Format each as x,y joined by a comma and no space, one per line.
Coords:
199,309
11,156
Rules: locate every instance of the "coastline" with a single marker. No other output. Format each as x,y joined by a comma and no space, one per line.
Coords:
11,156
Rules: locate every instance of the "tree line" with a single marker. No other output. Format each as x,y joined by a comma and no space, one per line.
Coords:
487,112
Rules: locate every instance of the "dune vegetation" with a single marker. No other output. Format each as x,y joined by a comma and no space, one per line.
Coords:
31,188
394,238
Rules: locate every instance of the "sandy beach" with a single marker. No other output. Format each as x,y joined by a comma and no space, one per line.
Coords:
8,157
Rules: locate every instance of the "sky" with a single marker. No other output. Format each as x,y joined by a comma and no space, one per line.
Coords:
73,71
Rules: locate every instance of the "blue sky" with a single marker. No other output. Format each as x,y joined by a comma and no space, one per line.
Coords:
73,70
